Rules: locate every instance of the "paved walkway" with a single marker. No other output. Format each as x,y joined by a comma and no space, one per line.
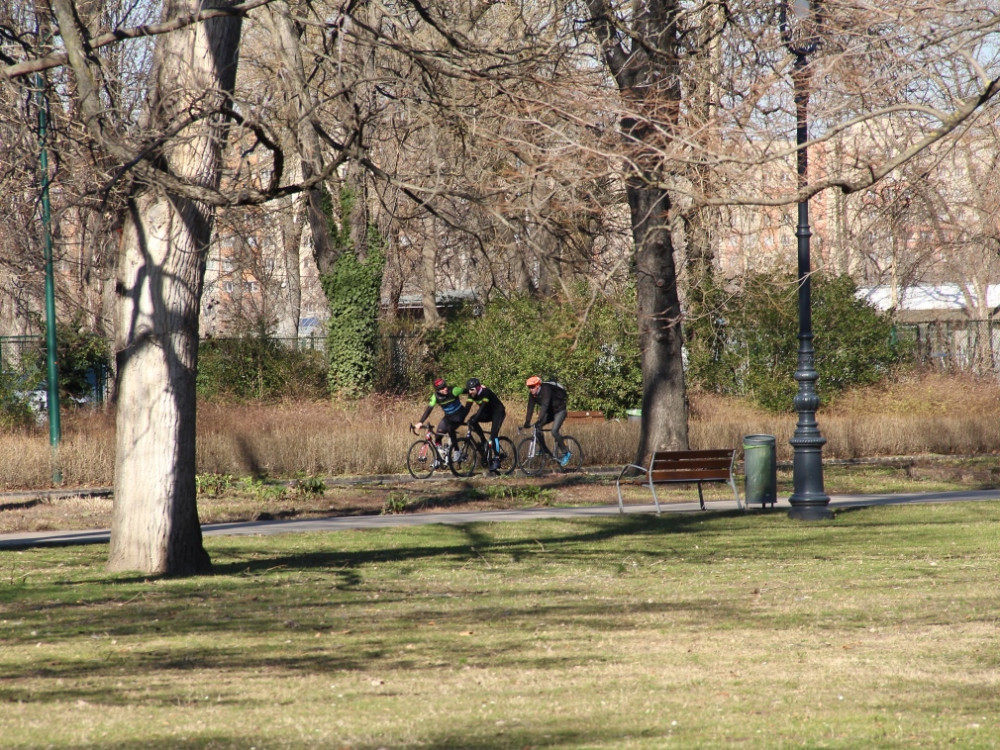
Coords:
341,523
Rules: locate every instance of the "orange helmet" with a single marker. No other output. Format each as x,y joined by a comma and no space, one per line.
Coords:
533,381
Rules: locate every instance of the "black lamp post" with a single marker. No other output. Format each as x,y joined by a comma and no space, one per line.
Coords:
808,500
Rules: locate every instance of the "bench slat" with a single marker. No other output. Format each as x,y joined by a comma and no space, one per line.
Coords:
692,455
675,464
690,475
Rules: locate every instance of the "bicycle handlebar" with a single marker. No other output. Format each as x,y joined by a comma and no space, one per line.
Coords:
430,428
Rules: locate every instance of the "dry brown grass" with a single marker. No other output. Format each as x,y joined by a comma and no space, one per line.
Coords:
927,415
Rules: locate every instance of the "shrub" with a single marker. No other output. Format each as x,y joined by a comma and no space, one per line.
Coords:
84,360
746,344
258,367
16,410
595,355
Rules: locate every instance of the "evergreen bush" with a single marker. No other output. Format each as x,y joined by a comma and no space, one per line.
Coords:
83,359
595,356
256,367
746,343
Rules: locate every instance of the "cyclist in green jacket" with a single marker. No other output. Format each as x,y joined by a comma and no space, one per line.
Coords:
454,411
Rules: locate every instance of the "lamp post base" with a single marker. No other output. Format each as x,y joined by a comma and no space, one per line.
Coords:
810,513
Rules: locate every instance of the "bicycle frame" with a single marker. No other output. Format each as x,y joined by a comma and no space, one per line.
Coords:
440,453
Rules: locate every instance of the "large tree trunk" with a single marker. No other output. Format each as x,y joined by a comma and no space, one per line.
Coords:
155,525
646,72
664,399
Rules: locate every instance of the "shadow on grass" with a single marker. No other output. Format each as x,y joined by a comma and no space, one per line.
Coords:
477,535
554,734
20,506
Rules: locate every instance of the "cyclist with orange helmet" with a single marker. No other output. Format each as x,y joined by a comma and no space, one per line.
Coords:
550,398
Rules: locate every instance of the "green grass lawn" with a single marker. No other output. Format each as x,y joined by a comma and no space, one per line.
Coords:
878,629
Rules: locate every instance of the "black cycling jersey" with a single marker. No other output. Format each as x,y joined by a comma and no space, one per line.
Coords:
489,404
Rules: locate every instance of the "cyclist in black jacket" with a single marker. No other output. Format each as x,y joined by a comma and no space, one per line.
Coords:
491,409
454,411
550,397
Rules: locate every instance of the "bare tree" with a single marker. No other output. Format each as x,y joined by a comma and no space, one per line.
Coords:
155,524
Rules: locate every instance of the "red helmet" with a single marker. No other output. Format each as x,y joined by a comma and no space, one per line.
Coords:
439,384
533,381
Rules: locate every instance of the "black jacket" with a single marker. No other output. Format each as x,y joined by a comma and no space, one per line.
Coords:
551,400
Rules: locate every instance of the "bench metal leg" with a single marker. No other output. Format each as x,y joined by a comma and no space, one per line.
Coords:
656,500
736,494
701,497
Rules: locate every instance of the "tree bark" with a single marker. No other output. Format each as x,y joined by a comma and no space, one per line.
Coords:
302,110
646,74
155,526
664,396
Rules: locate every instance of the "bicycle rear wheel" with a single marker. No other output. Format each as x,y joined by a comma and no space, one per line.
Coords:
531,465
507,456
463,457
420,459
575,462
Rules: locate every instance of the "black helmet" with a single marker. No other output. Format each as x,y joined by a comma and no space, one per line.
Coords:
472,384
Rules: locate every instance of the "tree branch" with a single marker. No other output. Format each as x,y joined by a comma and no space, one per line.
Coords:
57,59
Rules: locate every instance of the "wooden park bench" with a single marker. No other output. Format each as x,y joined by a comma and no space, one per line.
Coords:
679,467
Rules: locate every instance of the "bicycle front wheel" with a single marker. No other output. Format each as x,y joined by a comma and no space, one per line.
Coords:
506,456
420,459
463,458
531,465
575,462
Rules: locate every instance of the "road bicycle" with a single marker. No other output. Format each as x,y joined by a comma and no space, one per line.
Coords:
425,456
471,450
534,460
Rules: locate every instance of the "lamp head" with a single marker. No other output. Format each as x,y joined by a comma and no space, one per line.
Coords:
801,27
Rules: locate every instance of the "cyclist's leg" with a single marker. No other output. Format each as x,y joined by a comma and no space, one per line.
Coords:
495,425
452,425
540,436
443,428
475,427
557,421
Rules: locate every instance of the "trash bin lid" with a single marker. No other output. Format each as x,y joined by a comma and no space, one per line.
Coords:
756,440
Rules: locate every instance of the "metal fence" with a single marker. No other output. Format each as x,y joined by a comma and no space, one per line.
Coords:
399,358
20,353
954,345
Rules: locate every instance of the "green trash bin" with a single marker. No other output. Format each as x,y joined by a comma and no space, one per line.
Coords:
761,469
